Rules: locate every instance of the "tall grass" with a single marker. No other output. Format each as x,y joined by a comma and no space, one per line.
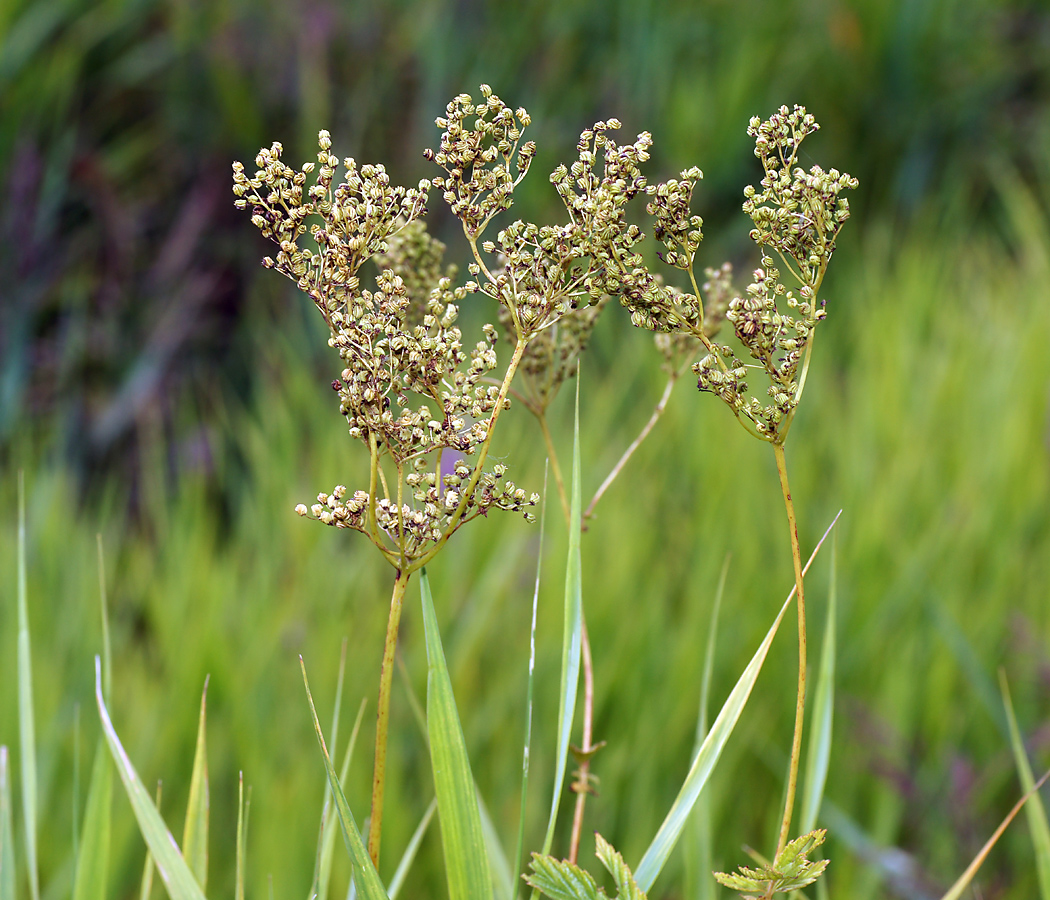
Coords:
928,427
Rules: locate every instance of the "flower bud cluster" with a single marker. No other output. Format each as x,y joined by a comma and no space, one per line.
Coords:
423,522
797,213
478,156
357,216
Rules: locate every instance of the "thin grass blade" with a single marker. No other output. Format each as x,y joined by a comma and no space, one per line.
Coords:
149,867
462,838
667,836
519,849
26,730
818,753
366,878
699,856
195,832
957,889
7,849
1035,812
244,803
409,855
328,829
572,633
89,881
174,871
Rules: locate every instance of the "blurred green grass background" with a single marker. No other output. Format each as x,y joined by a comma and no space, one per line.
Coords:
159,387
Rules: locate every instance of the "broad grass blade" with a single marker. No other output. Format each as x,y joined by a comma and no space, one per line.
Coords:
326,840
244,803
26,732
1035,812
520,846
174,871
699,857
462,838
7,849
818,753
89,882
365,875
195,833
704,762
410,852
571,634
148,867
956,890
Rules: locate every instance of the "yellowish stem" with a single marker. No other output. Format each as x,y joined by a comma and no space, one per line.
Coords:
800,702
386,674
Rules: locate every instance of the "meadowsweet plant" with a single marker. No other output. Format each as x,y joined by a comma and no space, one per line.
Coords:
797,217
423,406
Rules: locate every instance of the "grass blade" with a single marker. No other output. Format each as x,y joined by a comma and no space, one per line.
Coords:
572,631
818,753
365,875
244,802
956,890
462,838
699,858
148,867
195,832
92,866
326,840
27,737
1035,812
502,879
174,871
704,762
410,851
7,849
519,850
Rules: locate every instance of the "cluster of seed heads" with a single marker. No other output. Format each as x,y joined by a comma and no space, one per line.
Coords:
797,216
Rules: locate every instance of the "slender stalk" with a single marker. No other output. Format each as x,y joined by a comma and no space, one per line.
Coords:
800,702
635,444
386,674
582,785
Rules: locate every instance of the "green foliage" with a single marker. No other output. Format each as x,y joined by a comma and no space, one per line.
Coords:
790,871
561,880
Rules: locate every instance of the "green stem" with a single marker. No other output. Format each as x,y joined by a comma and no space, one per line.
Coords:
386,674
800,702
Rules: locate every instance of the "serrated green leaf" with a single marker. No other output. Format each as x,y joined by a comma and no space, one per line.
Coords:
572,631
92,864
704,762
626,887
195,832
177,877
365,875
1035,812
462,838
561,880
7,849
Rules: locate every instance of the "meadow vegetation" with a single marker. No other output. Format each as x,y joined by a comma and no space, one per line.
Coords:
925,421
